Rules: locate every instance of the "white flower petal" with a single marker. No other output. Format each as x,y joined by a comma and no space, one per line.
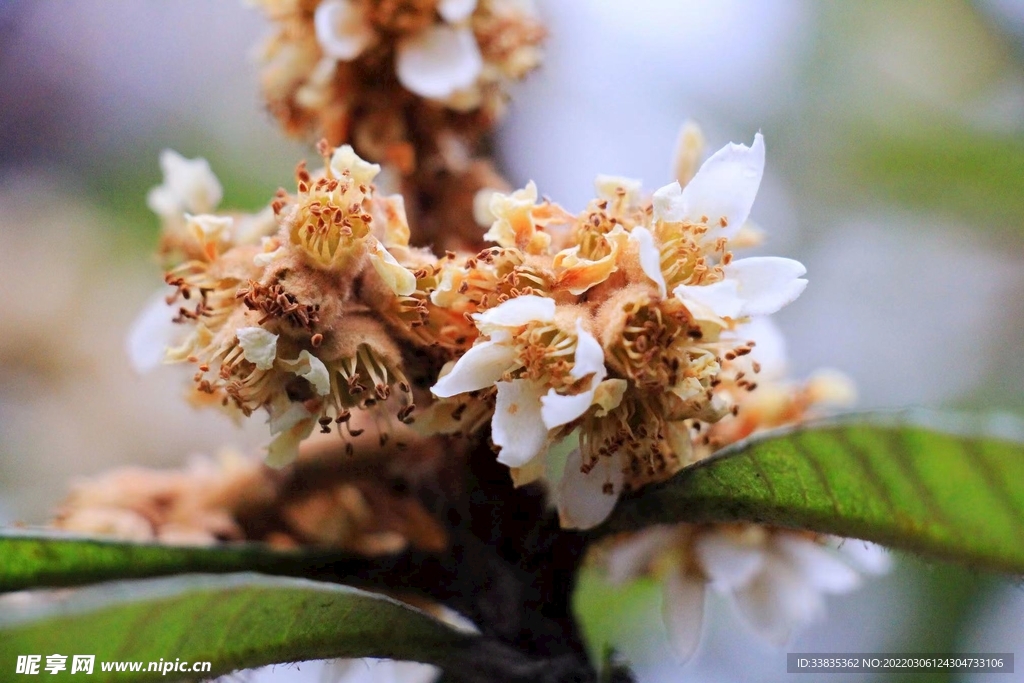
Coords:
397,277
189,186
373,670
589,358
766,283
558,410
817,565
682,610
289,428
151,333
315,372
518,311
454,11
728,562
438,60
363,172
342,29
480,367
517,427
868,557
650,256
258,346
778,601
209,228
630,557
583,501
725,187
265,258
719,299
668,203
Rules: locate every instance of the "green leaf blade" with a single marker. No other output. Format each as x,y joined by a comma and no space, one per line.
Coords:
233,621
39,559
952,497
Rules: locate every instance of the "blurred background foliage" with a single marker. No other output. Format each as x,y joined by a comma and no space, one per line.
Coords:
895,137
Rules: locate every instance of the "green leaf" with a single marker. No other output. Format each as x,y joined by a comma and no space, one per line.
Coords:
947,496
233,621
949,168
40,559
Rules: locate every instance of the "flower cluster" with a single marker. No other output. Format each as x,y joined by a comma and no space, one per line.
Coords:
625,323
272,317
396,78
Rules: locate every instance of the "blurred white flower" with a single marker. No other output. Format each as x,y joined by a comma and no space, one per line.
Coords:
373,670
189,187
435,62
439,61
776,578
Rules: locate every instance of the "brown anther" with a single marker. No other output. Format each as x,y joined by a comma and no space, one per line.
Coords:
405,414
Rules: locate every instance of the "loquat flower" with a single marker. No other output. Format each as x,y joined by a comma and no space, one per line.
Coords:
685,250
544,364
776,578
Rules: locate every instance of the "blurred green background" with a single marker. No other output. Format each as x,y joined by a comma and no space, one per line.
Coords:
895,172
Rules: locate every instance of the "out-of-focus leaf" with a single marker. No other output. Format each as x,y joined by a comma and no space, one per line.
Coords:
978,176
611,614
41,559
953,497
233,621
